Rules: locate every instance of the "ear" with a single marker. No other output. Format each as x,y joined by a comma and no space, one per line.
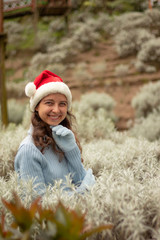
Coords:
36,108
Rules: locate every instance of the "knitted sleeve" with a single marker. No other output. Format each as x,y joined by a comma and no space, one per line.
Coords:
29,164
75,165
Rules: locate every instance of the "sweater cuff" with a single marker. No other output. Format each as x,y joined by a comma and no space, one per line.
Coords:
74,153
75,165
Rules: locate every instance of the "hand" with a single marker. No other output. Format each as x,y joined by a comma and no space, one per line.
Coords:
63,137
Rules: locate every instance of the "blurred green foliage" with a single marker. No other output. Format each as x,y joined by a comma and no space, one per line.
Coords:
61,224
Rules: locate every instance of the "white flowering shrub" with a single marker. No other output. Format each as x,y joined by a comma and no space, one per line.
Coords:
126,193
13,27
121,70
57,68
16,90
127,169
143,67
95,101
148,128
42,43
147,99
85,38
130,21
147,110
150,51
102,21
99,126
9,142
56,25
15,111
96,23
57,54
95,115
148,20
138,34
14,31
154,16
129,42
82,37
26,121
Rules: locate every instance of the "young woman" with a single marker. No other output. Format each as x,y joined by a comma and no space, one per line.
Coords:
51,151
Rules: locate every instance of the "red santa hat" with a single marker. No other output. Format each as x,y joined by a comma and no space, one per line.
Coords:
45,84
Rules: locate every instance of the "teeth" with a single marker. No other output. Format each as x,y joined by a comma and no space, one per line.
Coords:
54,117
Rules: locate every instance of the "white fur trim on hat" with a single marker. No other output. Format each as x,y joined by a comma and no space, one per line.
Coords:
30,89
49,88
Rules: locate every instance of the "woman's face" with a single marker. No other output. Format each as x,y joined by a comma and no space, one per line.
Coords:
52,109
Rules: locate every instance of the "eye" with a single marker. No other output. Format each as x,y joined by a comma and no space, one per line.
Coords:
48,103
63,104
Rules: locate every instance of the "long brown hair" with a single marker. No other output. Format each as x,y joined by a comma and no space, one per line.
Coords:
42,133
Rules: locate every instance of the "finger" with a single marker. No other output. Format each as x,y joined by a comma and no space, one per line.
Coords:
61,131
55,128
65,132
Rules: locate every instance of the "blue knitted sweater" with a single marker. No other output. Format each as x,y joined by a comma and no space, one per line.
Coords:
45,168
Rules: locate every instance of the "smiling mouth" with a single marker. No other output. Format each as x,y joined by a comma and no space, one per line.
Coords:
54,117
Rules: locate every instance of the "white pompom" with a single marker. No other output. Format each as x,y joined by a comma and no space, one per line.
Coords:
30,89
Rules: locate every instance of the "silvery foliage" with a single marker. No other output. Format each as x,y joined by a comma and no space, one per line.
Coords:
150,51
95,116
57,54
83,34
121,70
9,140
81,73
85,38
15,111
16,89
154,16
57,25
143,67
148,128
32,73
97,22
126,192
130,21
138,33
147,99
57,68
95,101
147,109
26,117
13,27
42,42
149,20
129,42
14,31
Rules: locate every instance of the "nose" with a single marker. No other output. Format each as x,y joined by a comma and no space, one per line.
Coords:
55,108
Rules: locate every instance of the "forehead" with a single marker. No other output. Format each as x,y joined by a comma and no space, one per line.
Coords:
55,97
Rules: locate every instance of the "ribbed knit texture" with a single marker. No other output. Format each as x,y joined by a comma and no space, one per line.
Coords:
46,168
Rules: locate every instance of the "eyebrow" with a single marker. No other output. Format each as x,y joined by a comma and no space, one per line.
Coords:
51,100
48,100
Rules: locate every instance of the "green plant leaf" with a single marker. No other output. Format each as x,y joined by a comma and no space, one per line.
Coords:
95,230
4,233
23,217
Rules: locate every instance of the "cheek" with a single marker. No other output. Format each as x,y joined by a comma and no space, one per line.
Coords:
64,113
